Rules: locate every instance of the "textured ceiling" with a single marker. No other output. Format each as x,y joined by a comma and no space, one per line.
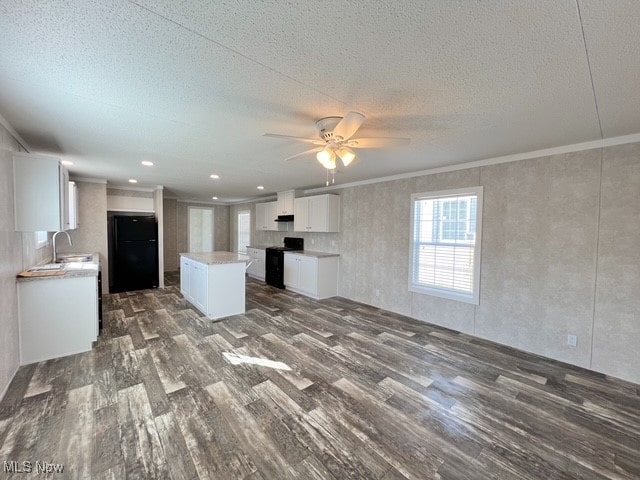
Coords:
192,85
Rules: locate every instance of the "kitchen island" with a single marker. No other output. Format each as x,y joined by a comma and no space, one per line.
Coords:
214,282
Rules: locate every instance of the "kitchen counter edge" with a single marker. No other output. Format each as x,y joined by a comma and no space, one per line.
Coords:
217,258
311,253
90,272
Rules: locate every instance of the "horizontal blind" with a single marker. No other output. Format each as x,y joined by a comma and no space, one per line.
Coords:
444,243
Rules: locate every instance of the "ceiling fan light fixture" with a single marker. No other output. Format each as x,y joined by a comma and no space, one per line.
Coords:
327,158
346,155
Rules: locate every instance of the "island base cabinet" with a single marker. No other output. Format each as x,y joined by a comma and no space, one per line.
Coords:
316,277
216,290
58,317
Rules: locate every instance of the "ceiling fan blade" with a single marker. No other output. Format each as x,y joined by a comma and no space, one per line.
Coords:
307,152
379,142
314,141
349,125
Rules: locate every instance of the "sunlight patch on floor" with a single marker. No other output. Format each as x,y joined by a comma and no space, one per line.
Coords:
237,359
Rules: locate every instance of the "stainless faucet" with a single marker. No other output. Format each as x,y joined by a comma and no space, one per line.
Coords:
55,254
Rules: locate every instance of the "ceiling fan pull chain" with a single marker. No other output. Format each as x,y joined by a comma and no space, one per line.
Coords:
327,178
333,176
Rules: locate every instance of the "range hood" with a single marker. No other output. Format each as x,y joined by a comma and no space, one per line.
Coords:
284,218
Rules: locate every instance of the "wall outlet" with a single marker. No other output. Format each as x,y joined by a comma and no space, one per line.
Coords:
313,241
572,340
377,292
333,243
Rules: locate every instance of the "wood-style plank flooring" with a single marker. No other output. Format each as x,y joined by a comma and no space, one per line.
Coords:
302,389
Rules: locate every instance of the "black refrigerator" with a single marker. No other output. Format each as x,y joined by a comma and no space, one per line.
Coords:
135,253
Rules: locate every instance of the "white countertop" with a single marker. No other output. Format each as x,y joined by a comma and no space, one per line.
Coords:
71,269
214,258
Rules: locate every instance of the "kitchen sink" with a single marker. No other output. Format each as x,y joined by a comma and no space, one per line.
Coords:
80,257
49,267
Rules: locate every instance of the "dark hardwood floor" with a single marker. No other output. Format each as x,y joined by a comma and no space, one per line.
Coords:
302,389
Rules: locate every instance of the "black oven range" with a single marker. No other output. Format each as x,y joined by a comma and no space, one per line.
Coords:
274,260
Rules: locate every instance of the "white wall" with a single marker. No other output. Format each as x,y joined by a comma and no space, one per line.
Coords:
17,252
560,255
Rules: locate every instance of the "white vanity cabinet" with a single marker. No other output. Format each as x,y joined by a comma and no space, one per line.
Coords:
257,267
319,213
316,277
41,193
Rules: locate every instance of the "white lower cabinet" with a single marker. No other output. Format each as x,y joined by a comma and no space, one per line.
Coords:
199,284
257,267
316,277
58,317
184,276
217,290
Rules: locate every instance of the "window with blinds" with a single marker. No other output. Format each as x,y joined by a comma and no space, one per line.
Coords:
445,243
244,231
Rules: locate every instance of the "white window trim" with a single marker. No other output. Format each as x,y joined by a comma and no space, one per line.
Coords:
441,292
41,243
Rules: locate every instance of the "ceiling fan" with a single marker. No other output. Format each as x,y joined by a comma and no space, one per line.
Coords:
335,140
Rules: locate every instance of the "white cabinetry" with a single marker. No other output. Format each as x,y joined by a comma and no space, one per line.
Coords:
285,202
257,267
185,286
316,277
74,221
58,317
217,290
266,214
41,193
320,213
199,285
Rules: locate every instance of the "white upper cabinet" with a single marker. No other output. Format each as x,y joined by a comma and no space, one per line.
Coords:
261,216
41,194
266,214
74,221
320,213
285,202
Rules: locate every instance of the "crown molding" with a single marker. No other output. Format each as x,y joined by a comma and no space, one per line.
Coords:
546,152
130,189
88,179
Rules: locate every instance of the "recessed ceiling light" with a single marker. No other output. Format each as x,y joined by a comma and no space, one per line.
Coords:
147,163
260,187
214,198
67,162
133,180
214,176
